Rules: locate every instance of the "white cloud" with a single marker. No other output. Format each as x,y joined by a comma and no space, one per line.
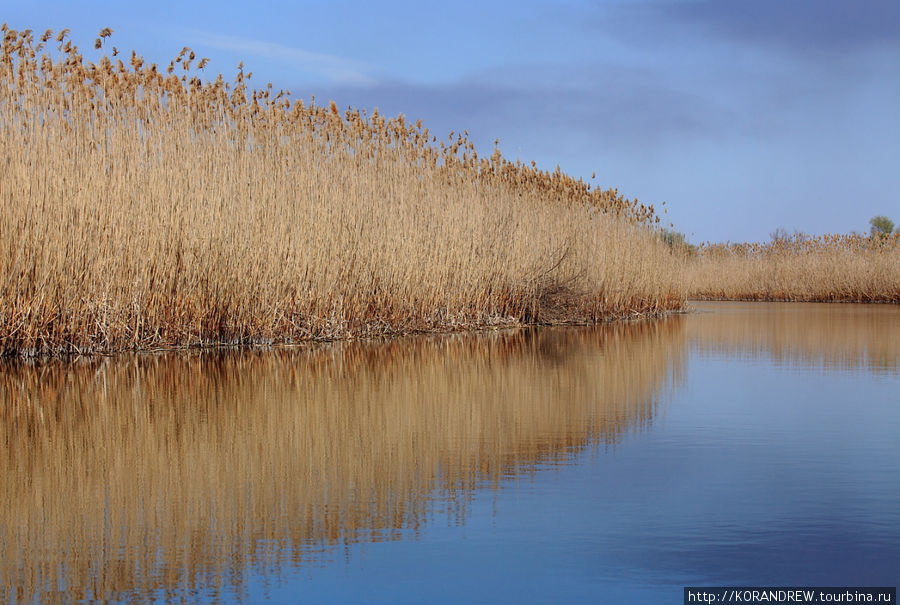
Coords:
335,69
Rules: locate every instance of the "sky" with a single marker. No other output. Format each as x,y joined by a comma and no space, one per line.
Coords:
743,116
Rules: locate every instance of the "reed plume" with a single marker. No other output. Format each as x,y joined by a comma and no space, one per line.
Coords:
144,207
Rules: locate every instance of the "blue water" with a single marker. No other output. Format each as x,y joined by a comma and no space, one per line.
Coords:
767,453
756,475
756,471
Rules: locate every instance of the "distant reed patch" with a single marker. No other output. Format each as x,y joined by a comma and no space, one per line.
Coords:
829,268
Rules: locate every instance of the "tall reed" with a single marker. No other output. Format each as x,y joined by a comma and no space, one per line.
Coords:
150,207
830,268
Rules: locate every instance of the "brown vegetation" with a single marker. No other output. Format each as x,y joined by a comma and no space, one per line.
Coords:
146,207
831,268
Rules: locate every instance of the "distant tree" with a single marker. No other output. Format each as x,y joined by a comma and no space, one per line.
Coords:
780,235
881,226
678,242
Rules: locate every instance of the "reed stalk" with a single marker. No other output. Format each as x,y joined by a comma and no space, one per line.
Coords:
147,207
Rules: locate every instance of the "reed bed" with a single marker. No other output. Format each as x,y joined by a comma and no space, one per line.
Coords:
148,207
157,476
830,268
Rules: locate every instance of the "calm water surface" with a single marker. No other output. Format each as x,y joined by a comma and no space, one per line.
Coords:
744,444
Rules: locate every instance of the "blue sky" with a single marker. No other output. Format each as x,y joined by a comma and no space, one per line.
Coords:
743,115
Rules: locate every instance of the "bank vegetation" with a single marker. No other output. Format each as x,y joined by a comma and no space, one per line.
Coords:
829,268
146,206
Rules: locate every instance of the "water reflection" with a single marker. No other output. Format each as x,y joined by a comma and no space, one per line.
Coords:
173,475
808,335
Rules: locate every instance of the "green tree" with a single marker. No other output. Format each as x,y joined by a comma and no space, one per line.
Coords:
678,242
881,225
783,237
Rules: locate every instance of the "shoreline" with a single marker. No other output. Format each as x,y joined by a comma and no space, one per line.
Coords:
827,301
73,354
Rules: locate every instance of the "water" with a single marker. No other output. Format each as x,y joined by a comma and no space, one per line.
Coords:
744,444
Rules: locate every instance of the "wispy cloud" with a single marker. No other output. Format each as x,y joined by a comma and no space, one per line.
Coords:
335,69
544,116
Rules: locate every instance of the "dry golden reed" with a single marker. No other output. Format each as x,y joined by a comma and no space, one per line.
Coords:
166,474
830,268
146,207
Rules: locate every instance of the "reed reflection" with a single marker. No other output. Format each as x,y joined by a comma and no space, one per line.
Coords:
807,335
163,475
